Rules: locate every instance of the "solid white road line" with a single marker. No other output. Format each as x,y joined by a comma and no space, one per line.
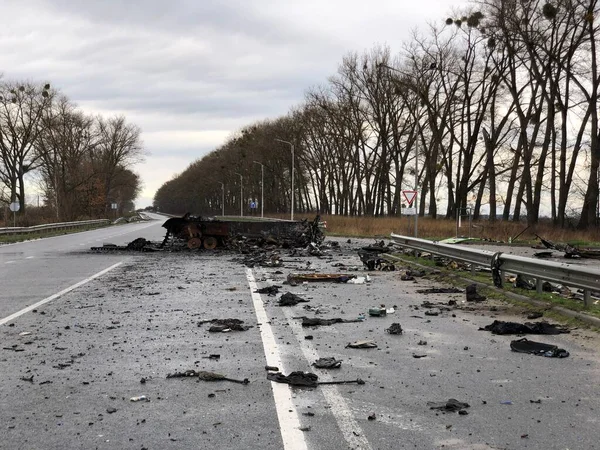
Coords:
289,424
58,294
350,429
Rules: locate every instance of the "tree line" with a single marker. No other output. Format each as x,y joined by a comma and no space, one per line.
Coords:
494,109
81,163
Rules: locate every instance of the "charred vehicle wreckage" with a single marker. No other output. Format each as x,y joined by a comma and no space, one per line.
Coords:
195,232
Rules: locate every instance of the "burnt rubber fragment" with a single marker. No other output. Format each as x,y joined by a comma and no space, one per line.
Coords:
538,348
501,327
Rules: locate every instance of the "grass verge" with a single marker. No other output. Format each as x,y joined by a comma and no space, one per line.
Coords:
462,279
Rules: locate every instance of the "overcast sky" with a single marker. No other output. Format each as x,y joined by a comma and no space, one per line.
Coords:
191,72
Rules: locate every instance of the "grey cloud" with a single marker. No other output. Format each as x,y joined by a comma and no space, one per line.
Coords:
194,65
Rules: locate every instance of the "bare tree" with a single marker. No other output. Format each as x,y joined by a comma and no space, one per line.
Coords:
22,106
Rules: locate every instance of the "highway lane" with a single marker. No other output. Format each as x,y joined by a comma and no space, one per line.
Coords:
89,351
33,270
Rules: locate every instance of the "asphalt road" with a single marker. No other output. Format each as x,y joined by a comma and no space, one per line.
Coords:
89,350
30,271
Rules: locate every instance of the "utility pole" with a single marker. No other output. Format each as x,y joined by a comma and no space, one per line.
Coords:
241,194
222,199
262,189
293,196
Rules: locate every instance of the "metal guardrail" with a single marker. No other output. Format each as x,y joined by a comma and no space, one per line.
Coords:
52,226
571,275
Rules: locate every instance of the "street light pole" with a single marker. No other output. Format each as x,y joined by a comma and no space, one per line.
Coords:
432,66
293,196
222,199
262,189
241,194
417,179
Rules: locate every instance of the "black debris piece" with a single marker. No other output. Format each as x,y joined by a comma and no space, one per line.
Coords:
500,327
523,283
538,348
357,381
452,405
473,295
432,312
295,378
362,344
371,259
407,277
289,299
205,376
271,291
327,363
416,273
295,279
535,315
394,328
271,369
142,245
543,255
548,244
316,321
221,325
450,290
419,355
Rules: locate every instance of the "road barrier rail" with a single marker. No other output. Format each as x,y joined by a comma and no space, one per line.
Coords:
499,263
53,227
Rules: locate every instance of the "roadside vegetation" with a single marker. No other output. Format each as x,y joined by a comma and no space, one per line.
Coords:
428,228
81,163
495,108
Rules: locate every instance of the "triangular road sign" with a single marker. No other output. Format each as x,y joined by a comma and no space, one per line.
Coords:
409,196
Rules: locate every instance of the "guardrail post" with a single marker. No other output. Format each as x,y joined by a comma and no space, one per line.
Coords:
587,298
472,269
539,285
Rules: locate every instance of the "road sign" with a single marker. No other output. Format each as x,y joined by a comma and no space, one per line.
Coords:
15,206
409,211
252,205
114,206
409,196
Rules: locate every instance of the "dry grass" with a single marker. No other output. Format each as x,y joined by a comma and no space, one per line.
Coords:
381,227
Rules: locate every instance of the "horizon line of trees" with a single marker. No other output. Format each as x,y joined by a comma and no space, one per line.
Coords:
81,163
496,107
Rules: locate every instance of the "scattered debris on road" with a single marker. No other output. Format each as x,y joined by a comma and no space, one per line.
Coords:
501,327
225,325
327,363
538,348
289,299
316,321
206,376
381,311
452,405
450,290
271,291
295,279
473,295
297,378
362,344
